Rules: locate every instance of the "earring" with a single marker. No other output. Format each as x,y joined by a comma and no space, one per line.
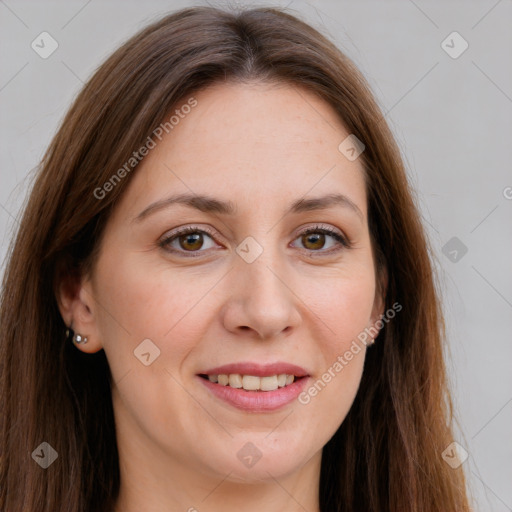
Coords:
75,338
371,342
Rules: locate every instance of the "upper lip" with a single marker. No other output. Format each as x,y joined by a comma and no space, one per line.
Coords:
258,370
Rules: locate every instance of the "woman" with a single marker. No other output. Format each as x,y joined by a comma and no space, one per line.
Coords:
220,295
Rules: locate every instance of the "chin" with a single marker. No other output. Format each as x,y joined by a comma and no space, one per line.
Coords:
258,461
262,471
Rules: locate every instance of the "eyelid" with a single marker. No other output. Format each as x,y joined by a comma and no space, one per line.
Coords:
165,240
342,240
338,235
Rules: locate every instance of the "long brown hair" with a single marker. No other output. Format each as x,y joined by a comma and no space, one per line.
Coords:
386,455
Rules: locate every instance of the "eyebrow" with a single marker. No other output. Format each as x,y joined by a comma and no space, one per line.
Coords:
209,204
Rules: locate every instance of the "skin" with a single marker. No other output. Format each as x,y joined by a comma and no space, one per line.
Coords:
262,147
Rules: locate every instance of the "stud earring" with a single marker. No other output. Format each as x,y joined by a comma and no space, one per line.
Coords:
75,338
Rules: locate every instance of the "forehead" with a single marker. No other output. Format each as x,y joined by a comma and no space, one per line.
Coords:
267,142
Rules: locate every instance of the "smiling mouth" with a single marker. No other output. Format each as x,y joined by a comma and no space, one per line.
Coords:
252,382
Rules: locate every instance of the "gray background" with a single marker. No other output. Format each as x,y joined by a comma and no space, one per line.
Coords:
452,118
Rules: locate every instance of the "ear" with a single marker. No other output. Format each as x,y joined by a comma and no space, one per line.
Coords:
380,298
77,307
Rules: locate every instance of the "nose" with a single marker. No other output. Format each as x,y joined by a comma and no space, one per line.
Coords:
261,299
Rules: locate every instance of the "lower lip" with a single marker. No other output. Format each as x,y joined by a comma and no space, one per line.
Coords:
257,401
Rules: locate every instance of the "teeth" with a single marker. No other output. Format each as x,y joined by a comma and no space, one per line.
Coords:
223,380
235,380
269,383
252,382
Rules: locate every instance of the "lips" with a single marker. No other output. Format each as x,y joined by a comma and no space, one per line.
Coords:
258,370
254,387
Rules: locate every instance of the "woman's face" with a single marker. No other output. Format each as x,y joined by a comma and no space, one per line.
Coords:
245,288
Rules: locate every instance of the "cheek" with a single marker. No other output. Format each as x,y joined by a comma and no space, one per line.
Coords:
342,307
140,304
139,301
341,313
330,396
145,300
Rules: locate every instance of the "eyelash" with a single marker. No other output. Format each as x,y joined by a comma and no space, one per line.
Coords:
164,243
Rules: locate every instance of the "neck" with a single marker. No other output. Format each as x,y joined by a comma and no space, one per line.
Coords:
159,484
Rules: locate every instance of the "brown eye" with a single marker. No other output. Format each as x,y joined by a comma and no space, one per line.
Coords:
323,240
190,240
313,241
